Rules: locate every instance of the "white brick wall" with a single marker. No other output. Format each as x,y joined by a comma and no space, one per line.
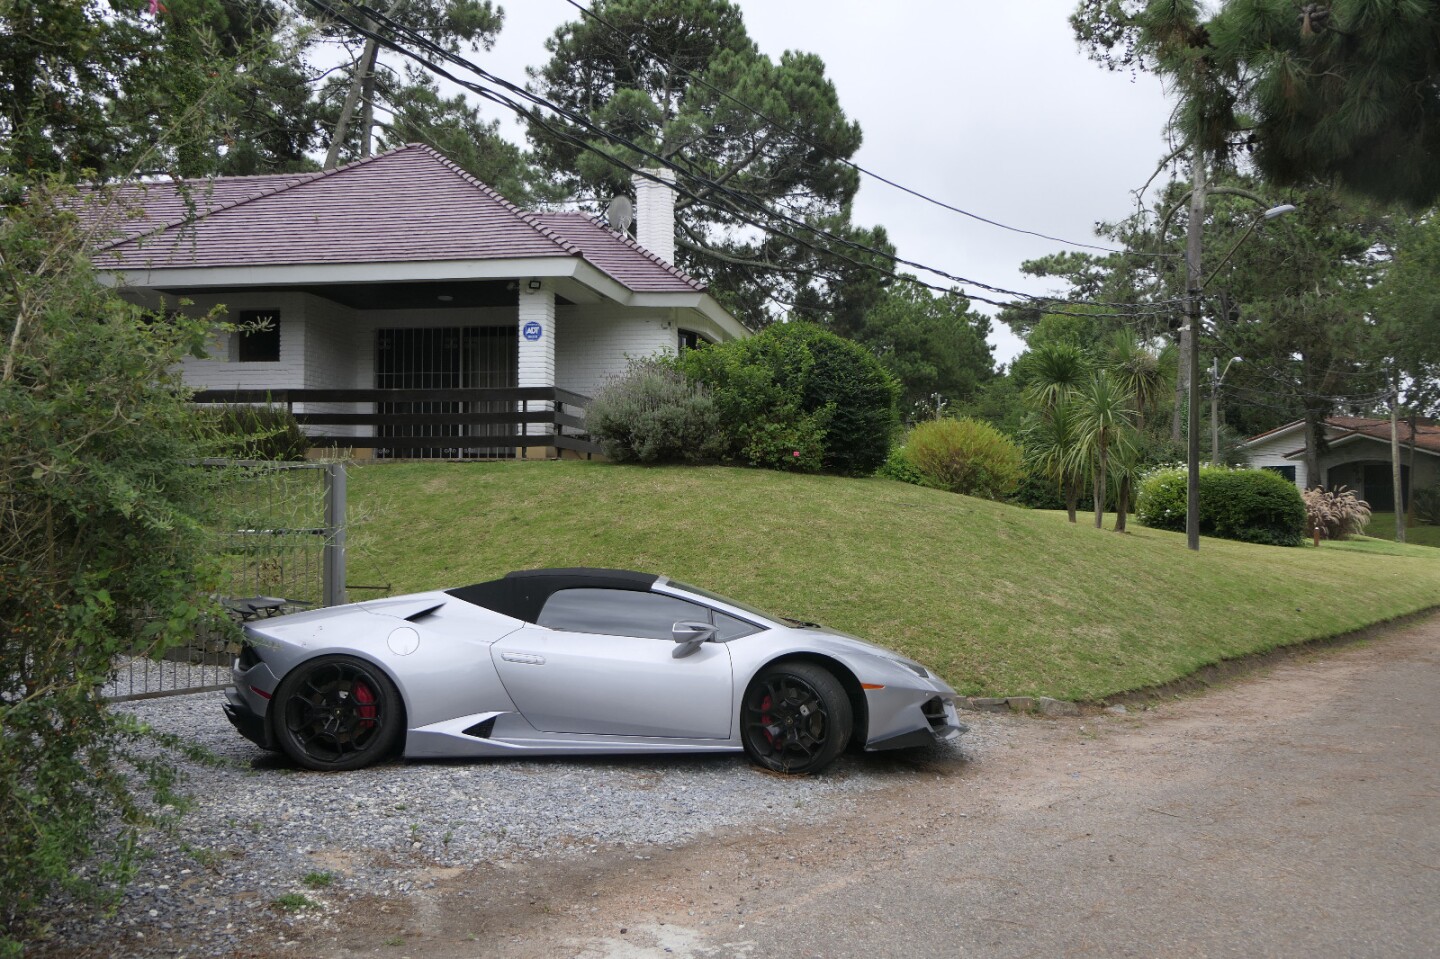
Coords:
655,214
535,365
596,342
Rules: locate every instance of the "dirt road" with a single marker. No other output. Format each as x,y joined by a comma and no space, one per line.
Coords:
1294,813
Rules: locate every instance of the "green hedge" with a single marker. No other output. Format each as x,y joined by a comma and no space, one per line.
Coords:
1253,506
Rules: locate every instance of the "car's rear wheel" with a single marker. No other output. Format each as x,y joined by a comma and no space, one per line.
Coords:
336,712
795,718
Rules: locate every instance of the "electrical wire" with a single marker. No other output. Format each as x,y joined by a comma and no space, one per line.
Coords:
1045,302
701,81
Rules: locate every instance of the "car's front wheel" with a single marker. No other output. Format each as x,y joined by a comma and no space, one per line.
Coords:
795,718
336,712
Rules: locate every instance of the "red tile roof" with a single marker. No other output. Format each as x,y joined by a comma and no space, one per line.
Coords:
1427,434
410,204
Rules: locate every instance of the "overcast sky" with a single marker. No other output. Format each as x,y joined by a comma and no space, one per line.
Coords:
988,106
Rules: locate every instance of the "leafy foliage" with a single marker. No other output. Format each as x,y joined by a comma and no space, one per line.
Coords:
670,76
652,413
1253,506
798,397
259,433
102,546
1427,505
965,456
935,346
1337,513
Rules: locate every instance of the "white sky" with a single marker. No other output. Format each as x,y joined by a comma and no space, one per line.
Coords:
988,106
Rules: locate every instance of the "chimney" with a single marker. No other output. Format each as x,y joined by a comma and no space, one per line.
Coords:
655,213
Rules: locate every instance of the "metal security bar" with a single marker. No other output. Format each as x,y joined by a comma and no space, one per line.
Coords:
472,357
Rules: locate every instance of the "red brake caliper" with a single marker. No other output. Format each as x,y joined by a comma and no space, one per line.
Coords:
766,719
366,698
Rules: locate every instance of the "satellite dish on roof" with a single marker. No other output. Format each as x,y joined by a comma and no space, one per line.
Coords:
620,214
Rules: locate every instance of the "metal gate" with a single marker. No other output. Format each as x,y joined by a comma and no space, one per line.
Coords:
281,541
451,357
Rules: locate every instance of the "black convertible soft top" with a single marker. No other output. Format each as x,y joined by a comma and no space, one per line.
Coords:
523,593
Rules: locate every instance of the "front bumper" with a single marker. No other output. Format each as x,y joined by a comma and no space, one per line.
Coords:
911,724
249,723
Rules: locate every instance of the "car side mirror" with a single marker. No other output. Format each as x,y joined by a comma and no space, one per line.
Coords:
688,636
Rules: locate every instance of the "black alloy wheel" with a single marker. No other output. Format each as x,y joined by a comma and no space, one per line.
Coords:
795,718
335,713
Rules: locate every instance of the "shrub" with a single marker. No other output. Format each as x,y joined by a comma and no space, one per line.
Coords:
260,433
899,468
1253,506
1337,513
965,456
1427,505
652,413
797,389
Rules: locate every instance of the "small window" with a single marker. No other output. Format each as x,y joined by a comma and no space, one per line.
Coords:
259,336
1286,471
690,340
730,627
618,612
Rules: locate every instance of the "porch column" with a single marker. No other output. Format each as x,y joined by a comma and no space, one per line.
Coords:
535,365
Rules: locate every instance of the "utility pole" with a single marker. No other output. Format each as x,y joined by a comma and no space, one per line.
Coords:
1190,342
1214,411
1395,474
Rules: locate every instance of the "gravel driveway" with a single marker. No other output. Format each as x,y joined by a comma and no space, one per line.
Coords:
260,827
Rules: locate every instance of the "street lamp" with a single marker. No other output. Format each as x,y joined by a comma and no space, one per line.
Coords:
1217,376
1194,286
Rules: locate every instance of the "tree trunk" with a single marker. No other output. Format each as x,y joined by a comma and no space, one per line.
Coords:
1122,504
1072,496
1100,491
1314,425
1399,489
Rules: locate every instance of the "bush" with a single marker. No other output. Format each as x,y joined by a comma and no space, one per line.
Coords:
1337,513
103,553
898,467
1252,506
260,433
652,414
1426,503
965,456
798,397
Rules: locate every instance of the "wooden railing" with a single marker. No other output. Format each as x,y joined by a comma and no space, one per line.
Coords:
471,415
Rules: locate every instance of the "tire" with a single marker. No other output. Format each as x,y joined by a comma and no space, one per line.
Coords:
336,712
795,718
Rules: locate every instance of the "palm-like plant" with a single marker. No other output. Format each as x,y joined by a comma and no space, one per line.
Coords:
1050,445
1057,370
1143,373
1103,420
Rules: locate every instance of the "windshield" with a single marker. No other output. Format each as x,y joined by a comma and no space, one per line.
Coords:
716,597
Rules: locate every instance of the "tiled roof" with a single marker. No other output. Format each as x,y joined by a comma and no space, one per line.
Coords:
407,205
618,255
1427,433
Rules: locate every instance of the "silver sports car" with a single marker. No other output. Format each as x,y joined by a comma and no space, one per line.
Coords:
574,661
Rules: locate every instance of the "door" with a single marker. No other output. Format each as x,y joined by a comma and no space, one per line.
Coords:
601,662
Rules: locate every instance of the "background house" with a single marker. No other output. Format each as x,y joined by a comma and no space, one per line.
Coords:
1357,455
403,272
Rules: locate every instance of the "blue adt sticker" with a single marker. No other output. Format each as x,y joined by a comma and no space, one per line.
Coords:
532,331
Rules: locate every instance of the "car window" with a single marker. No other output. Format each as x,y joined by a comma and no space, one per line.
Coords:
730,627
618,612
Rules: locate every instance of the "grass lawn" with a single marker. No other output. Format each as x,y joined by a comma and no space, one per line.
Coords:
1000,600
1382,526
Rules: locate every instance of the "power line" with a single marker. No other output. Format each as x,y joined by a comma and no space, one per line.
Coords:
701,81
1046,303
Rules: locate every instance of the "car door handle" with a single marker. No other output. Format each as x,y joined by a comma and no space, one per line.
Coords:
529,659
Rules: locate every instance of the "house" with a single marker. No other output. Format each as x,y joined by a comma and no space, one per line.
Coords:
399,299
1356,455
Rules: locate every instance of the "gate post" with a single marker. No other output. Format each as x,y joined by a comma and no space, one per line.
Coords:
333,567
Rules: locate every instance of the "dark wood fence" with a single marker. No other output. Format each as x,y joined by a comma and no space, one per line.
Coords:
474,420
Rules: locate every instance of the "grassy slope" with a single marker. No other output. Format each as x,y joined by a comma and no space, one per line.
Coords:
1382,526
999,599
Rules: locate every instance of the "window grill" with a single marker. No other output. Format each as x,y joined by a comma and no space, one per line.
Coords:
451,357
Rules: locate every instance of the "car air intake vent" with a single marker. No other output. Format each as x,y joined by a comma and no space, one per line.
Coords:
482,729
248,657
934,710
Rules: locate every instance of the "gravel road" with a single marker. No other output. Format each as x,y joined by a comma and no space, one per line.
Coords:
260,827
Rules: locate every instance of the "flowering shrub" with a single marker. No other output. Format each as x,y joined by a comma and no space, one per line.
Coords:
1336,513
652,414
